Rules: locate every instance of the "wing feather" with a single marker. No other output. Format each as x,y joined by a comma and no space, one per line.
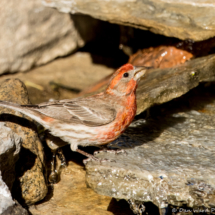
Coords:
79,111
90,114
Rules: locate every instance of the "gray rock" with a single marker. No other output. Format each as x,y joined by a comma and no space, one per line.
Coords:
168,158
10,144
184,19
6,200
162,85
16,209
33,35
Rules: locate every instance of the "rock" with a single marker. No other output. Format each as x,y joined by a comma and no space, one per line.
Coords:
34,35
30,184
70,194
10,144
6,200
184,19
16,209
169,157
70,72
7,205
160,57
162,85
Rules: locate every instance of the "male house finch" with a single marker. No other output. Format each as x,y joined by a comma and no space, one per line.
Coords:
91,121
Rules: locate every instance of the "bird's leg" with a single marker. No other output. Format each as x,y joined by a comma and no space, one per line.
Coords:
61,157
87,154
53,177
91,157
54,143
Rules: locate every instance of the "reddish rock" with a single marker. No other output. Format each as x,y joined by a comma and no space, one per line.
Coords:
160,57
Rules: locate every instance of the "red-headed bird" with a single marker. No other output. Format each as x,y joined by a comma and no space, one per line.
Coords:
91,121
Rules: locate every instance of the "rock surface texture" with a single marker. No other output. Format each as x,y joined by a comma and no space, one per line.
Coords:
181,19
33,35
169,157
162,85
30,183
6,200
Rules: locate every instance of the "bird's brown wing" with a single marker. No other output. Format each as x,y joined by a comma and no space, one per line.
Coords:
91,114
78,111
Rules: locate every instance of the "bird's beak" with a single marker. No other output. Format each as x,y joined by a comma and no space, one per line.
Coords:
139,71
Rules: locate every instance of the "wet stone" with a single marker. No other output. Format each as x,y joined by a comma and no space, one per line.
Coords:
30,185
160,57
169,157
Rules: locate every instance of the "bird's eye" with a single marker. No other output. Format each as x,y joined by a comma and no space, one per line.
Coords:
125,75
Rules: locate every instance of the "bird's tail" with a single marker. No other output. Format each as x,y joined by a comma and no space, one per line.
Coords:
33,114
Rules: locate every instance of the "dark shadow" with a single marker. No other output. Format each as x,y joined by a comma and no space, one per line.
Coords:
120,207
75,156
151,209
111,44
102,40
6,117
26,162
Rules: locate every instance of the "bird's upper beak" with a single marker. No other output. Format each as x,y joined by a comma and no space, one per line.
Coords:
139,71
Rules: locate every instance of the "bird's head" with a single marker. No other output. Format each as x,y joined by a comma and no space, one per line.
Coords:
124,80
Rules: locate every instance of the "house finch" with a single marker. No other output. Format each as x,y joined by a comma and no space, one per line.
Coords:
91,121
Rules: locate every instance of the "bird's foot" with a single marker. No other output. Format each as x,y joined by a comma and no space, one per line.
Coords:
54,176
91,157
100,160
113,151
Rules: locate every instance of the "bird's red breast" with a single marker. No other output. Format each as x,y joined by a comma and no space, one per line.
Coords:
123,119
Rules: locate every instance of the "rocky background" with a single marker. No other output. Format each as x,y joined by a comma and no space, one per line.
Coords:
55,49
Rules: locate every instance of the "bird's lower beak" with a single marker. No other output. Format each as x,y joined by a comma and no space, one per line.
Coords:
139,72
